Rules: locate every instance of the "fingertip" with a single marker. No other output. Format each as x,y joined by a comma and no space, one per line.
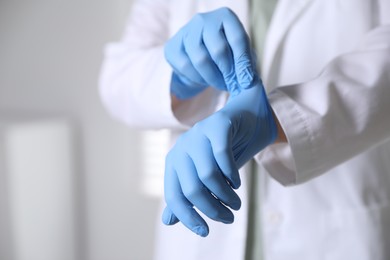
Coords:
202,231
238,180
236,204
235,181
228,217
168,218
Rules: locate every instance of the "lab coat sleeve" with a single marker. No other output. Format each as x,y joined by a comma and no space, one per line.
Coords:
336,116
135,79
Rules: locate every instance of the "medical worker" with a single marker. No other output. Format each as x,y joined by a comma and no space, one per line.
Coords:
315,119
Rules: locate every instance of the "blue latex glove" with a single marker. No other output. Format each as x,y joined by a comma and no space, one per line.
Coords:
212,49
202,168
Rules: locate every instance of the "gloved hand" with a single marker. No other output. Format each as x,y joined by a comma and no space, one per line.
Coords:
202,168
212,49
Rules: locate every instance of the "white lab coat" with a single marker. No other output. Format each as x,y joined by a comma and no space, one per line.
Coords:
332,58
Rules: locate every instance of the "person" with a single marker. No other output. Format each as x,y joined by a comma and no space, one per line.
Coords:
325,66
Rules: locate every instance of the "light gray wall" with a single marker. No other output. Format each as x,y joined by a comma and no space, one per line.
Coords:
50,54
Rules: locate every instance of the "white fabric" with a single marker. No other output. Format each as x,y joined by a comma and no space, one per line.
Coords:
332,58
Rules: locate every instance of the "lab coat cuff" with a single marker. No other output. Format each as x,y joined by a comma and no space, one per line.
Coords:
286,162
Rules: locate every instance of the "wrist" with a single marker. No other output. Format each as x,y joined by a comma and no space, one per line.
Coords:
281,136
175,102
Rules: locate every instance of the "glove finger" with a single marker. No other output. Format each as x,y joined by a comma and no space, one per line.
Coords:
179,205
177,57
200,58
221,143
210,174
220,52
199,196
240,46
168,218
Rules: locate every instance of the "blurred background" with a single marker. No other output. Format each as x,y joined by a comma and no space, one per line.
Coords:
74,184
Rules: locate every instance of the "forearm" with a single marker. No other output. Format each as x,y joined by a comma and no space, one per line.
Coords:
175,102
281,137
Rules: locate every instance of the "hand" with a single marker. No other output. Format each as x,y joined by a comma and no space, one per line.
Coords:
212,49
202,168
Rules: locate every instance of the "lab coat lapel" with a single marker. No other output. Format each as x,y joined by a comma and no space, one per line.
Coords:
286,13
